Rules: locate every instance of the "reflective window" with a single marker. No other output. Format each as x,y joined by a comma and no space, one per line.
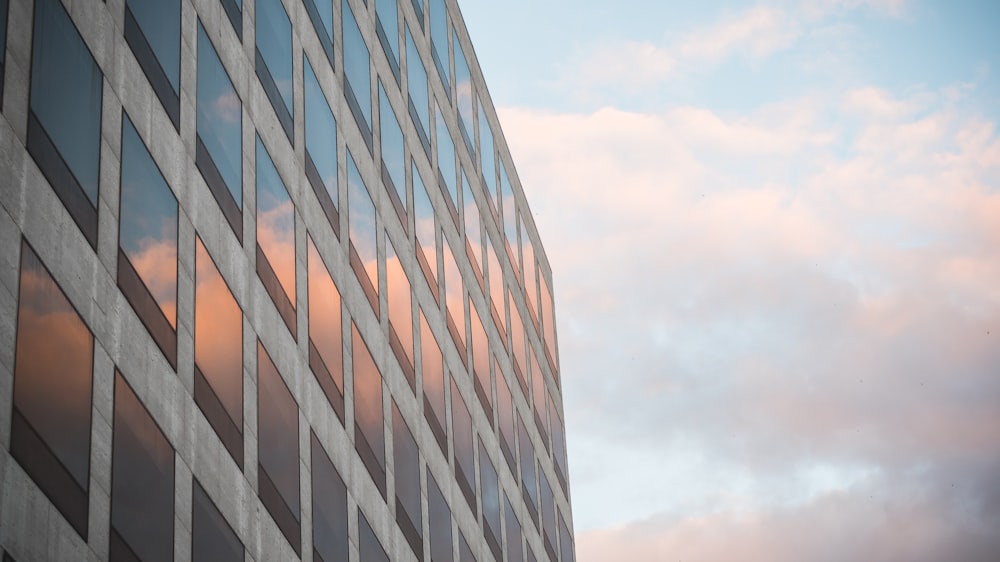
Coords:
3,43
515,551
465,95
53,374
357,74
527,454
548,515
439,41
540,396
153,31
64,129
326,351
490,494
273,61
406,466
393,153
234,10
447,169
321,15
565,541
387,28
528,267
369,547
480,348
464,550
369,434
275,237
454,291
321,148
509,211
329,507
558,443
496,294
363,232
142,483
488,164
531,554
432,369
218,353
473,233
425,224
212,539
548,324
400,311
219,133
147,242
278,449
418,7
518,348
419,102
438,521
465,469
505,414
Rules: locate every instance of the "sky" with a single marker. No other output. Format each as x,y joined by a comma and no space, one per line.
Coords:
774,231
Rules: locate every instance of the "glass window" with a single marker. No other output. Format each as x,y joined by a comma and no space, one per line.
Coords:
357,74
461,426
219,133
509,217
387,29
490,493
540,395
400,312
548,324
432,368
464,550
326,351
273,61
515,550
528,267
234,10
418,7
406,466
3,43
473,233
329,507
548,515
488,164
369,547
518,347
321,148
558,443
393,154
147,242
419,102
530,487
53,374
439,41
142,483
363,233
454,291
369,434
565,541
153,31
425,224
465,95
278,449
438,522
480,348
212,539
321,15
505,414
275,237
218,353
495,278
64,131
447,169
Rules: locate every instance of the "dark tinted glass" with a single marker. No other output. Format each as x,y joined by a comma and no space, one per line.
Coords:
361,222
219,118
274,45
454,292
212,539
326,349
153,30
446,157
465,469
369,548
515,552
406,465
439,40
53,373
142,483
329,505
368,414
466,95
357,71
565,542
400,309
439,522
393,149
490,494
416,79
527,451
464,550
321,143
275,223
433,378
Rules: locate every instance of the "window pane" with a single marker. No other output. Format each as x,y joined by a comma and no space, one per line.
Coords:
385,10
472,229
558,441
528,267
274,43
465,469
540,395
433,377
527,451
416,80
465,95
446,157
400,309
406,466
329,505
321,14
517,344
369,548
548,514
278,448
426,226
548,322
439,522
153,31
212,539
393,150
219,124
321,147
505,405
53,373
565,541
325,339
491,499
357,71
142,483
488,155
368,431
481,360
361,222
515,552
3,41
275,222
495,275
509,213
464,551
439,40
454,290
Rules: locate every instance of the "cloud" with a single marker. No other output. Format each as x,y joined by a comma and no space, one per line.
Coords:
758,31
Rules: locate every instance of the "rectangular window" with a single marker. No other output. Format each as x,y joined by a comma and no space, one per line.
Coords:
219,138
518,348
369,547
454,291
558,445
64,116
505,414
479,347
465,95
321,147
418,100
490,493
142,483
565,541
399,299
418,8
218,353
53,380
487,160
275,237
494,277
273,59
540,396
548,324
147,242
278,450
153,31
473,232
515,550
509,210
432,372
438,522
425,225
357,74
464,550
329,507
363,233
3,43
321,14
234,11
529,269
529,485
439,42
464,435
406,467
447,167
326,351
548,516
387,29
212,539
369,434
393,154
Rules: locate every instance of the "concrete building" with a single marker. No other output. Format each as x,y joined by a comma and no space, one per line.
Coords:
269,290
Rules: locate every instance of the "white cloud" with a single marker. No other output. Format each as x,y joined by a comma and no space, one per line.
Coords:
759,31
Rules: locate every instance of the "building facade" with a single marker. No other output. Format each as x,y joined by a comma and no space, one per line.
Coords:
269,290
